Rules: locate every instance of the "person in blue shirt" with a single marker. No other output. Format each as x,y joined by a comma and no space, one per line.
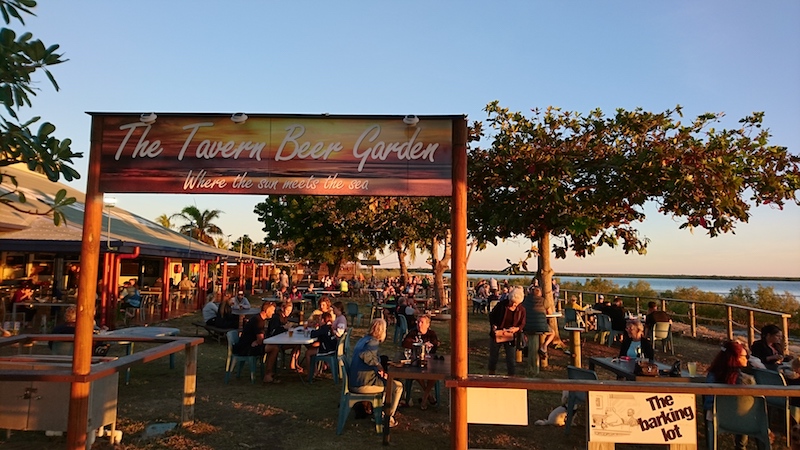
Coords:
634,343
367,375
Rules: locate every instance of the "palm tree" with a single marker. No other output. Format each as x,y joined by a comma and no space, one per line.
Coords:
164,221
222,242
199,224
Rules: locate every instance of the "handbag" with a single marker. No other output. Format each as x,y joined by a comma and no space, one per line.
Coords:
501,336
645,369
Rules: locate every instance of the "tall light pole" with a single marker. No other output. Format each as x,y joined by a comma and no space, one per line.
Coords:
108,203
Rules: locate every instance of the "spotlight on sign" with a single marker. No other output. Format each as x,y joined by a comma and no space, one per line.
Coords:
148,118
239,118
411,120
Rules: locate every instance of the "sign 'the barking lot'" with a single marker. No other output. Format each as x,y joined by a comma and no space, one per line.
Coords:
274,154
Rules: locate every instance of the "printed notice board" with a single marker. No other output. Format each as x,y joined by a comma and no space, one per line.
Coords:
642,418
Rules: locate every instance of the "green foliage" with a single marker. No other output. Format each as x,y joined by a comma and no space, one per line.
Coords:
199,223
318,229
584,179
23,56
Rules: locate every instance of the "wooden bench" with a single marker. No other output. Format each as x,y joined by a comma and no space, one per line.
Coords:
216,332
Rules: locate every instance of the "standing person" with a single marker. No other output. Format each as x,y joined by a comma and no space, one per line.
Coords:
509,316
340,320
769,349
344,288
536,321
493,287
24,294
556,290
367,375
727,368
240,301
284,280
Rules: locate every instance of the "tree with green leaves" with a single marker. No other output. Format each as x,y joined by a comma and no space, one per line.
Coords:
324,229
583,180
23,57
199,224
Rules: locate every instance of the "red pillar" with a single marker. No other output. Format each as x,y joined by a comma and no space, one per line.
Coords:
167,274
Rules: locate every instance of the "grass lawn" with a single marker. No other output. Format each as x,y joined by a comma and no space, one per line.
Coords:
299,415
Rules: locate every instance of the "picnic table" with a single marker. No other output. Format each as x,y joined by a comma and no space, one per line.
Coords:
436,369
139,332
624,368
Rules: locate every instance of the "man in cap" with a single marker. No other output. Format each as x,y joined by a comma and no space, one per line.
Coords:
240,301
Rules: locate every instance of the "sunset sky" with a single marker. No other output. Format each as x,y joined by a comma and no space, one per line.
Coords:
441,58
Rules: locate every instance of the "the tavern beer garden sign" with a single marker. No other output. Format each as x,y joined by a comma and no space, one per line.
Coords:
275,154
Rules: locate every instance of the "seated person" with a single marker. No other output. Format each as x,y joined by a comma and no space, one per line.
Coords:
425,335
575,305
792,377
210,310
405,307
616,313
367,375
323,306
326,340
240,301
654,315
251,341
24,294
225,317
634,343
769,349
281,323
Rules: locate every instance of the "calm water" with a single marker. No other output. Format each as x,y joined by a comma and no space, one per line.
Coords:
717,286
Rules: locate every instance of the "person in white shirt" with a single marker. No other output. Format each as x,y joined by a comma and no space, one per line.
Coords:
240,301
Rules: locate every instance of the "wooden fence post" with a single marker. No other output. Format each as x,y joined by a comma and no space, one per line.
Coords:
729,311
693,318
751,327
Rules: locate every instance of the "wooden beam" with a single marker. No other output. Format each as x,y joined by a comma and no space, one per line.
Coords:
458,286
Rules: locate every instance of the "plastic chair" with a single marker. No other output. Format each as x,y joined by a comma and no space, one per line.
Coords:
235,360
353,314
742,414
662,331
400,329
571,317
348,399
576,373
347,345
329,359
604,329
788,412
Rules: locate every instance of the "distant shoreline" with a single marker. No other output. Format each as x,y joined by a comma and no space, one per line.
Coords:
624,275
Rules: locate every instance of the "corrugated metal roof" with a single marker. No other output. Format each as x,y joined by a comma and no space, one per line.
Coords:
25,232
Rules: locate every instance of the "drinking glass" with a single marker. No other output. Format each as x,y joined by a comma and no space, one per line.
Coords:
692,368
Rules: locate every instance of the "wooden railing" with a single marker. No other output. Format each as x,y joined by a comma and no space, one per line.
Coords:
692,316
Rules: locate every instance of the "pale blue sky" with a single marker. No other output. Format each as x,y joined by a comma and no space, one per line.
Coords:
443,57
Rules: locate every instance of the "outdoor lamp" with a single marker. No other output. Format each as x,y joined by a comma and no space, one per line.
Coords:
239,118
411,120
148,118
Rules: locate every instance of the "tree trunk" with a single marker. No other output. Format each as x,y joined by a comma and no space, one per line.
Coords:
439,266
545,275
400,249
